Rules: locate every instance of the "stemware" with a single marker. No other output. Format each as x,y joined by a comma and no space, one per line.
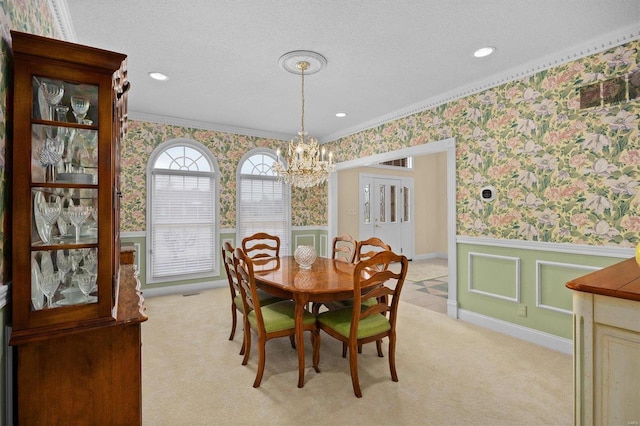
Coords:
53,94
49,283
76,257
86,283
49,213
90,262
80,106
78,215
61,112
63,263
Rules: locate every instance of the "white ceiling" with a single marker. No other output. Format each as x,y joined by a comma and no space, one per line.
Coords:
386,58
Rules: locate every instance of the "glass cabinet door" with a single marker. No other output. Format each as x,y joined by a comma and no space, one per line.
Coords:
64,193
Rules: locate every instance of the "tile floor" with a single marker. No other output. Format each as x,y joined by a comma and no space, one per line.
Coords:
430,294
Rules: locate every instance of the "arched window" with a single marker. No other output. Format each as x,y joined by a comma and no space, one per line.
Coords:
182,212
263,202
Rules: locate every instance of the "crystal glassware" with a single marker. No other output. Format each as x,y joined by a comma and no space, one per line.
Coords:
78,215
50,213
86,283
53,94
63,263
80,106
61,112
49,283
305,256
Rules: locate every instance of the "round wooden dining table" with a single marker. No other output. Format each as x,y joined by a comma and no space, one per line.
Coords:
327,280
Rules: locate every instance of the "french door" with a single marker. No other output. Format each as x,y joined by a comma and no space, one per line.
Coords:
386,211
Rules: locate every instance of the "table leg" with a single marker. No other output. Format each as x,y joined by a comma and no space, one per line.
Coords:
301,301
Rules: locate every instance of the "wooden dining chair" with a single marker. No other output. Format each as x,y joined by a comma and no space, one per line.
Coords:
344,248
270,321
261,245
234,288
361,324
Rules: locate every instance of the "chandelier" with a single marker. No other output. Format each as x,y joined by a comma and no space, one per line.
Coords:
305,164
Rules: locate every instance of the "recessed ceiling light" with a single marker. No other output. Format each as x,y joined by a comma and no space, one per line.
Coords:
484,51
158,76
341,114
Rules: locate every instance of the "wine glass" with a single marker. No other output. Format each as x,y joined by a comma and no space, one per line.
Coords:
50,213
63,263
53,94
61,112
49,285
90,262
86,283
76,257
78,215
80,106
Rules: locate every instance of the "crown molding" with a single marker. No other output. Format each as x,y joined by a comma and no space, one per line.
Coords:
62,20
607,41
160,119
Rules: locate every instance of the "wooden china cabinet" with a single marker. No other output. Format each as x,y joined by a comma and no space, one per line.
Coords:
76,310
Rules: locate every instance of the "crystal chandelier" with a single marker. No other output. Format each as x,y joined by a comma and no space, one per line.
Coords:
305,163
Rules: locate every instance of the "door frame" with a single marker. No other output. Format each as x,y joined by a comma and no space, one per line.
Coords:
445,145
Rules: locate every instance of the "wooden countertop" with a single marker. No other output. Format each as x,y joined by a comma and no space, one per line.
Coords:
621,280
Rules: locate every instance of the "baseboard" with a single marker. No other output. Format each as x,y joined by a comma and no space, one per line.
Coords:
426,256
183,289
547,340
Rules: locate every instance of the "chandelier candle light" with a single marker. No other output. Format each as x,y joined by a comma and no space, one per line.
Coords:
305,164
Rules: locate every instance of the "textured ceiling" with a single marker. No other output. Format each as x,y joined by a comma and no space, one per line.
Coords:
385,57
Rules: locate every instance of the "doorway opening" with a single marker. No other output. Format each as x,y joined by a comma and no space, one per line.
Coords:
448,146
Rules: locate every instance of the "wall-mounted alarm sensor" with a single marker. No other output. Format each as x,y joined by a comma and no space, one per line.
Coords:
488,193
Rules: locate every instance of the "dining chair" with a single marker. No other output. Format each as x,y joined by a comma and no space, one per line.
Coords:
361,324
344,248
234,288
261,245
270,321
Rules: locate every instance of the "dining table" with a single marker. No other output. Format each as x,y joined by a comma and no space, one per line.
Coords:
327,280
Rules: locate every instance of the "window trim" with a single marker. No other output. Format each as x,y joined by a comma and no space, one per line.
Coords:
215,171
287,191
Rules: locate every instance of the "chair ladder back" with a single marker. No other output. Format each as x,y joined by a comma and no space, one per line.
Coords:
246,279
366,274
230,269
344,248
260,245
368,248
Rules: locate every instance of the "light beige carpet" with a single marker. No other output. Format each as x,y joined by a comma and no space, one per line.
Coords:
423,270
451,373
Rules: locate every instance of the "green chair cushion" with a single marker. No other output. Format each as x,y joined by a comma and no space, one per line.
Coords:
279,316
349,302
340,321
265,299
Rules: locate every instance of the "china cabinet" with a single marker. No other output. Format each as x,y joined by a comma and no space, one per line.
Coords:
69,115
606,309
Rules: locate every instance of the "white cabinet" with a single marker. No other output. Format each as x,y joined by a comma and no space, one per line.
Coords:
607,349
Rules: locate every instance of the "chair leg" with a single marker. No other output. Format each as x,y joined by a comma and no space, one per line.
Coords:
246,343
344,350
292,339
242,346
261,360
392,357
353,366
233,319
379,347
315,342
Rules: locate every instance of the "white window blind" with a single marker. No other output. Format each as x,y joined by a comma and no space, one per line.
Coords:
263,201
182,213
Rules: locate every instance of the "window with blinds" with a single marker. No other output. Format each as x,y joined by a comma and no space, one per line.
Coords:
263,201
183,209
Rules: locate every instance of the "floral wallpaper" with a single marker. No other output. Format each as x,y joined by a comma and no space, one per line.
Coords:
563,174
310,206
32,16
